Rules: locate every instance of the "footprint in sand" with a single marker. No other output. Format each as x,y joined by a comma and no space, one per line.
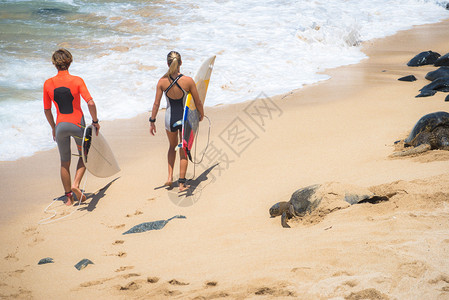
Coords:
172,293
117,226
121,269
211,283
30,230
16,273
152,279
138,212
367,294
118,242
121,254
126,276
277,292
342,273
441,278
91,283
444,278
132,286
176,282
36,241
12,256
351,283
414,269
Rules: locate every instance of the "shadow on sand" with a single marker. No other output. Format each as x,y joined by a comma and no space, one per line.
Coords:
95,197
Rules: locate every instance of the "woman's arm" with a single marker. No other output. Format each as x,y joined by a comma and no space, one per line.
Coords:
156,104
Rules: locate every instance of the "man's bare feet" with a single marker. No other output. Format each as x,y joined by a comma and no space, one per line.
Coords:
69,197
79,195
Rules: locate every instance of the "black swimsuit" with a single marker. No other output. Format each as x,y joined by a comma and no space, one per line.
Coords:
175,107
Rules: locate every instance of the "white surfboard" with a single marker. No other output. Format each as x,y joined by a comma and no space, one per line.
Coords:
190,121
97,155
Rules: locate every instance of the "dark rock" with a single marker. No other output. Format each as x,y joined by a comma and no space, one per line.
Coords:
47,260
442,61
424,58
83,263
438,73
441,84
408,78
155,225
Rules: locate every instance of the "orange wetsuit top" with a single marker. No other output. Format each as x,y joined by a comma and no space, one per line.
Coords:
64,91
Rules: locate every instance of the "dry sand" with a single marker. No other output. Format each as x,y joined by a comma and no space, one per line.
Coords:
341,130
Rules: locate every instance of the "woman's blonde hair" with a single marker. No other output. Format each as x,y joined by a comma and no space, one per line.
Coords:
62,59
174,62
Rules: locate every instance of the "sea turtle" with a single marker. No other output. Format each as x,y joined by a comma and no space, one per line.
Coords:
438,73
440,84
424,58
430,132
442,61
321,199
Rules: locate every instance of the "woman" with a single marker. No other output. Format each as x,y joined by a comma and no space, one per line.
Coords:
64,91
176,87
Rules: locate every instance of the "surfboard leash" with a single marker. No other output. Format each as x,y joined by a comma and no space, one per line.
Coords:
205,149
49,219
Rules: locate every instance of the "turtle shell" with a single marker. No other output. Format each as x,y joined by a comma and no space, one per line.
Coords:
426,124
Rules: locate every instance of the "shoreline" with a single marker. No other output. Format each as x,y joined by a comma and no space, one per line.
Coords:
342,129
336,80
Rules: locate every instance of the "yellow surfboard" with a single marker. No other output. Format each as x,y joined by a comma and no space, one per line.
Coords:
190,121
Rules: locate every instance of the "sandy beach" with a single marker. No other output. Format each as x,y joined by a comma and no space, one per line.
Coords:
259,153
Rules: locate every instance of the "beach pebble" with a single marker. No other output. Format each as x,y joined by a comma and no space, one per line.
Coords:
155,225
408,78
47,260
83,263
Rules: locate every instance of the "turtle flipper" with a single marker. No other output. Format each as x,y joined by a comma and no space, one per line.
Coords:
416,150
284,218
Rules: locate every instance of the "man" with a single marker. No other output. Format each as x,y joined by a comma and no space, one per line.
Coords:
64,91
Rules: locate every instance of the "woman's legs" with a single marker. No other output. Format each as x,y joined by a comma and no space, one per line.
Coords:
171,155
183,167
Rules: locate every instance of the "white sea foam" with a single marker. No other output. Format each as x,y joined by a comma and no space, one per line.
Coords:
119,49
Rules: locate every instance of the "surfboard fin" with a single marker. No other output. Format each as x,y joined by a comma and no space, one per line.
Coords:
178,123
